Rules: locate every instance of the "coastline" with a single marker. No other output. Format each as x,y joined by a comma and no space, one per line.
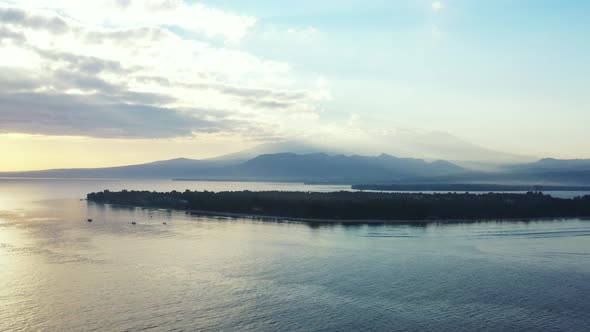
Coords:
270,218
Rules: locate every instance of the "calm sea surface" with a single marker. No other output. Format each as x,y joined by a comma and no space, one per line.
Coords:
61,273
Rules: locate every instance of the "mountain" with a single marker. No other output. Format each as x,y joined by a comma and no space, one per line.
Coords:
402,143
551,164
335,168
166,169
548,171
313,167
428,145
321,167
298,147
547,178
443,145
173,168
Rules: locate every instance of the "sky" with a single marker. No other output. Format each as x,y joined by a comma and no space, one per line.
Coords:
115,82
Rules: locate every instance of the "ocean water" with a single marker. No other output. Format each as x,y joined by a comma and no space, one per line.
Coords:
59,272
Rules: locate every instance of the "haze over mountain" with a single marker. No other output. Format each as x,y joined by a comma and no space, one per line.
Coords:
267,167
304,162
298,147
428,145
547,171
552,164
408,144
339,168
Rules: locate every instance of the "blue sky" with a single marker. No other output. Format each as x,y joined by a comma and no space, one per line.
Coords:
516,68
220,75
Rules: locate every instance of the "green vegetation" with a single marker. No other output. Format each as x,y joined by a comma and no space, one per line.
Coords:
358,205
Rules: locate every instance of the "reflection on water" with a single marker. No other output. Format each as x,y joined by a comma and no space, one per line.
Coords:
60,272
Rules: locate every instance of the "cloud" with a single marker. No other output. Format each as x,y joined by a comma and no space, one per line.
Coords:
196,18
14,81
82,63
6,33
266,104
20,18
126,36
112,112
77,115
119,69
437,5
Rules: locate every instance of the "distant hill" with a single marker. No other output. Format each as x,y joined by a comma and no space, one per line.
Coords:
321,167
429,146
548,171
313,167
551,164
309,165
165,169
278,147
441,145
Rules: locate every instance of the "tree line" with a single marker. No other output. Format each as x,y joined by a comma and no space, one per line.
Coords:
357,205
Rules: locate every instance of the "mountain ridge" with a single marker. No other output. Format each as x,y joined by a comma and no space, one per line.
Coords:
285,166
314,164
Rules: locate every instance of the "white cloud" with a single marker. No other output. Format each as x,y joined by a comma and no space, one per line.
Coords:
196,18
437,5
122,52
322,89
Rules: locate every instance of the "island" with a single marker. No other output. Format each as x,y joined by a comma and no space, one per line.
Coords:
345,206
